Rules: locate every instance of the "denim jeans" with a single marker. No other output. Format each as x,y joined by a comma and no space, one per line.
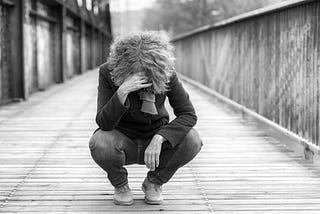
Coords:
112,150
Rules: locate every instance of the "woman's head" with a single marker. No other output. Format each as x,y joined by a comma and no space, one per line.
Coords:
147,52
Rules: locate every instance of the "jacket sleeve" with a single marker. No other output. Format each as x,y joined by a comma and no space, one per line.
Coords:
184,111
109,108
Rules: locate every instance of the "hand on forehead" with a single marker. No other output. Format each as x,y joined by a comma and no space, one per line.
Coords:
142,74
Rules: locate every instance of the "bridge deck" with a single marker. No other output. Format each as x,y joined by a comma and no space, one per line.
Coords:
45,165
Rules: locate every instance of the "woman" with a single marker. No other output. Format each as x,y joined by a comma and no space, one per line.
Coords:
133,122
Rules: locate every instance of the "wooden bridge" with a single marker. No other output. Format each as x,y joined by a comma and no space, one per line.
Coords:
254,80
45,164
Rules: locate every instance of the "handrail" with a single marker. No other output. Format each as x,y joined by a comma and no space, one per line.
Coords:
9,3
251,14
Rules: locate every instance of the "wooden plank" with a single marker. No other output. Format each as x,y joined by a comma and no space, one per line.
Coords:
51,169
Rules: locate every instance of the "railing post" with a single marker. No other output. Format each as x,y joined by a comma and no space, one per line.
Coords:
17,53
63,43
82,46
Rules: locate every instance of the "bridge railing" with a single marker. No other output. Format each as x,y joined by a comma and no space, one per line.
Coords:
267,60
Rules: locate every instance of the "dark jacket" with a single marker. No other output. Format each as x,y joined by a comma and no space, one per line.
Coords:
129,120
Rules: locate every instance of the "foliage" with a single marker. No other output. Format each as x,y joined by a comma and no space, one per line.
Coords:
178,16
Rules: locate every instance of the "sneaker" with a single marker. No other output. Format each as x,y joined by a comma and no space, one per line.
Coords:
152,192
123,196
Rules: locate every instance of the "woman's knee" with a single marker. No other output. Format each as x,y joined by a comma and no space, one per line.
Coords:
193,140
103,147
101,140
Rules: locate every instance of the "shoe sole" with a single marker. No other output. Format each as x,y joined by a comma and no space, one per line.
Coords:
150,201
122,203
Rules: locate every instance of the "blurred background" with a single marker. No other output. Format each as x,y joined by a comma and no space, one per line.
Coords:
176,16
44,42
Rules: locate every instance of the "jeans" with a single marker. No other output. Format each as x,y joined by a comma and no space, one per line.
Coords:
112,150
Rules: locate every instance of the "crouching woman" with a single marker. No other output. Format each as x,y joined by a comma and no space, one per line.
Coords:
133,122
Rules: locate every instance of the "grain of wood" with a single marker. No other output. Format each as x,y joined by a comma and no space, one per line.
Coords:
45,164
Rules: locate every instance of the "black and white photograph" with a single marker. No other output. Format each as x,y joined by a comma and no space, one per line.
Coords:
160,106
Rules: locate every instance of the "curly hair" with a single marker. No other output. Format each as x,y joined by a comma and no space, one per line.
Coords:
149,52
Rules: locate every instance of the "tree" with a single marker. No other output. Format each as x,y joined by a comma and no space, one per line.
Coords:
178,16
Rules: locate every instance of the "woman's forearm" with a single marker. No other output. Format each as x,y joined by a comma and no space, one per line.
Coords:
122,94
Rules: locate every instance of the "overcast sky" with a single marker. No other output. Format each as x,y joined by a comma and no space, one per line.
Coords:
124,5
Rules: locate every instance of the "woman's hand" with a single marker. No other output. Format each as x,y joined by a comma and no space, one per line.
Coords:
152,153
133,83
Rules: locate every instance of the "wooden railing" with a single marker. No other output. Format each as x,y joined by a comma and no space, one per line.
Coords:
267,60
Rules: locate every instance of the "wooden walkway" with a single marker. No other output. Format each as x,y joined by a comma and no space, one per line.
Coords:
45,165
